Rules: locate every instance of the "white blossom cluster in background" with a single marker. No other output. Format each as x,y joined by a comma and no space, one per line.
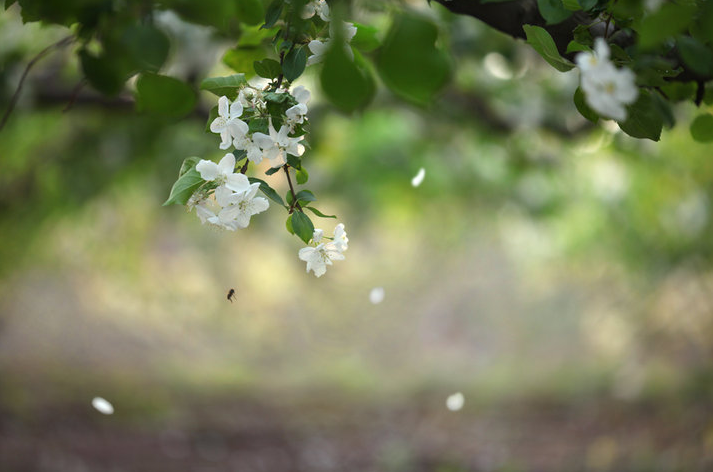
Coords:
607,89
320,47
320,254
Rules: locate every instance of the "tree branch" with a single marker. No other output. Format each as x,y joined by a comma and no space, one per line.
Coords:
13,101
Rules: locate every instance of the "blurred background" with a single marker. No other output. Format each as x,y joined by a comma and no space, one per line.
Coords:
555,273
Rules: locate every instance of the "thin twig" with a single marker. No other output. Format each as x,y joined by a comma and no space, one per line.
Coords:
295,203
40,55
75,94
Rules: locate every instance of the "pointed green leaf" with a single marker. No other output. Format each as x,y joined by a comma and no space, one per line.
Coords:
553,11
188,182
267,190
267,68
302,226
542,42
227,86
294,63
302,175
644,118
319,213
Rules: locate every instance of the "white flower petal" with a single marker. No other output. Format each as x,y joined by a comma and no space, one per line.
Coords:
238,183
301,94
376,295
418,178
226,166
223,105
455,402
207,169
102,406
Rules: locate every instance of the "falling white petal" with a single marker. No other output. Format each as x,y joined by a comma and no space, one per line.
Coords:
376,295
418,178
455,401
102,406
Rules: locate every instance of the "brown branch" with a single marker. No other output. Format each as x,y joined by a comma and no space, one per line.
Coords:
294,203
13,101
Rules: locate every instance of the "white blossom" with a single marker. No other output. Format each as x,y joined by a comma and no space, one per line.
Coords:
319,48
587,61
318,258
250,98
277,144
340,238
318,7
321,254
223,173
607,89
238,207
227,123
246,143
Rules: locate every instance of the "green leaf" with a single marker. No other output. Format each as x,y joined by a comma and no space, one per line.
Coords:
668,21
319,213
702,128
148,46
267,190
571,5
163,95
294,63
260,125
103,73
583,108
273,13
272,170
574,46
409,62
267,68
664,108
644,119
241,58
302,226
305,196
250,12
553,11
347,86
239,155
695,55
302,176
288,224
365,38
542,42
587,4
227,86
701,27
188,182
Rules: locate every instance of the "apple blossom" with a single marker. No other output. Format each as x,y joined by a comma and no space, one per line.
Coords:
223,173
227,123
277,144
238,207
319,7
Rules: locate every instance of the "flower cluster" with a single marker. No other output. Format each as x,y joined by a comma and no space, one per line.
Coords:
606,88
233,201
320,47
320,254
263,124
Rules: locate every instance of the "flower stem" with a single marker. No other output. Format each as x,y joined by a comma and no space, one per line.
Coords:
294,203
